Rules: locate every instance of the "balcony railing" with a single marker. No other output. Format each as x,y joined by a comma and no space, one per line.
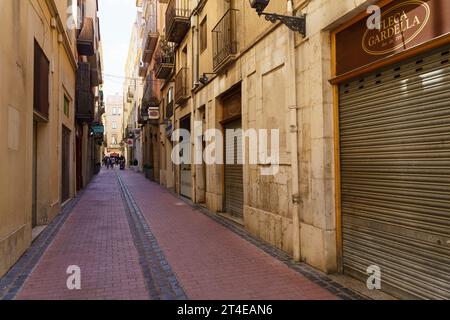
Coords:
150,38
177,20
130,94
150,97
169,110
86,38
165,60
142,115
181,86
143,67
85,107
225,44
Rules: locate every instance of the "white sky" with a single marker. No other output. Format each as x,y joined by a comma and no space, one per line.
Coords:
116,21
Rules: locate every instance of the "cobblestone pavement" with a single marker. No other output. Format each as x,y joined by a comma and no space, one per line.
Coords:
133,239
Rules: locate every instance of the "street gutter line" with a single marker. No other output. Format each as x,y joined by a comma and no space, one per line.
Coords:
161,281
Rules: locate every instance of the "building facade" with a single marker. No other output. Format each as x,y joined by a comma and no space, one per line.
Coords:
38,93
132,97
89,101
113,125
362,118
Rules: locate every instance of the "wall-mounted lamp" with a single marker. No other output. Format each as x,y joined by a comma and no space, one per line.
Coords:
294,23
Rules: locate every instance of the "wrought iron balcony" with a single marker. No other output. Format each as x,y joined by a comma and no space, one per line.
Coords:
85,106
143,67
151,97
101,110
181,86
86,38
142,115
225,43
169,110
165,60
150,39
178,21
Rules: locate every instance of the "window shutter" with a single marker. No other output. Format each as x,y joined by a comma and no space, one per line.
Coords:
41,82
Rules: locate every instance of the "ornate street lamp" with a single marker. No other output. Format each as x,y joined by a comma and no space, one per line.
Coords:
294,23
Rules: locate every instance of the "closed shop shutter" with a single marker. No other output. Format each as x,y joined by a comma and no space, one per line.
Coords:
234,174
186,174
65,170
395,175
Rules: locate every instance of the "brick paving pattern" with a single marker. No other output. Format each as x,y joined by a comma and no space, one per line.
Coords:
210,261
135,240
97,238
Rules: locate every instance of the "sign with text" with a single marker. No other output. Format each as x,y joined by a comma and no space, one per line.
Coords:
98,129
153,113
405,24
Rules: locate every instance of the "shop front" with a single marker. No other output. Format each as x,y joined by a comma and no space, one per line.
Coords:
392,98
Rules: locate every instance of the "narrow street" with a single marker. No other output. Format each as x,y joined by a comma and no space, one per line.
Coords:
132,239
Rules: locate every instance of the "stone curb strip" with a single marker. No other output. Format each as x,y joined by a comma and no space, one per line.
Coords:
161,281
315,276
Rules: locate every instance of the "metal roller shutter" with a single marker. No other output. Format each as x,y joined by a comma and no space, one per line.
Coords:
234,174
186,174
395,175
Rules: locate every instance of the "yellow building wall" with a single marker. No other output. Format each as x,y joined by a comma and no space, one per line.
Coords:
23,22
261,69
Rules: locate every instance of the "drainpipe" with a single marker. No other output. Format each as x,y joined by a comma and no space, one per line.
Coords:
196,46
196,65
294,138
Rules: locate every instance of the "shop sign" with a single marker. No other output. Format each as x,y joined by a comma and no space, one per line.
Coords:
405,24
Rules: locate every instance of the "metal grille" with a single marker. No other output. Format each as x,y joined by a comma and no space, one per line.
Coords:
181,86
234,174
225,44
395,172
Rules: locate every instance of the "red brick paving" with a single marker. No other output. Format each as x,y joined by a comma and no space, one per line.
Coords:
96,237
210,261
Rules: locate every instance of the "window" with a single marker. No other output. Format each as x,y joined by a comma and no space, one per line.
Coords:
170,95
114,125
114,140
203,35
71,16
41,92
114,111
66,106
169,106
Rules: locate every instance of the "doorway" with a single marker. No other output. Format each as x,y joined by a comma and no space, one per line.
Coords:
233,168
79,156
65,165
34,176
200,171
186,168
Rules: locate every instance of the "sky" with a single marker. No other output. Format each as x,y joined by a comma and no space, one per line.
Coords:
116,21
